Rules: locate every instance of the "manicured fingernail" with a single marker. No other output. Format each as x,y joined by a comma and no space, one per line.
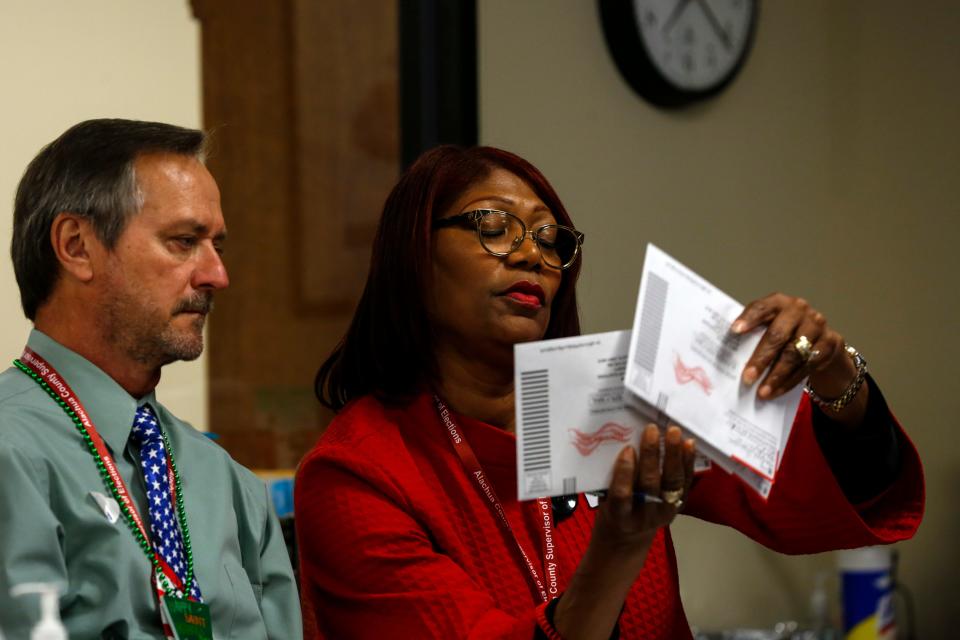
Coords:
750,375
765,391
738,326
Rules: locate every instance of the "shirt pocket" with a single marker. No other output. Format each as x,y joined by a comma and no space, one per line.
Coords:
247,623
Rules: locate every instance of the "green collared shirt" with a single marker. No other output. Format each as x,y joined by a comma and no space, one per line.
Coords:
54,527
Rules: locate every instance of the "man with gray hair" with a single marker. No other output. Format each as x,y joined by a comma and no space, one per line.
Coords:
144,526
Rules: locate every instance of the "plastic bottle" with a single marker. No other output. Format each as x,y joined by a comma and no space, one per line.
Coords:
867,593
820,606
49,627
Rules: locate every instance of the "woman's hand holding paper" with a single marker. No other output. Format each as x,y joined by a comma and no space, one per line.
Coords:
799,343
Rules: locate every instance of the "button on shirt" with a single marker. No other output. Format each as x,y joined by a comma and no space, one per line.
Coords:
58,523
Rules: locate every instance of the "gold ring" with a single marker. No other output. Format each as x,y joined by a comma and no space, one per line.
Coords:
673,497
804,347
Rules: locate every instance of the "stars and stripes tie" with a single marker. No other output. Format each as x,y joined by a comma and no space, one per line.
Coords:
164,526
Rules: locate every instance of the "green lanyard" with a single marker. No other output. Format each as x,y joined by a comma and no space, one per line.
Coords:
107,468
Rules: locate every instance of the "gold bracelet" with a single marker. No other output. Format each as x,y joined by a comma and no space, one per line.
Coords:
852,389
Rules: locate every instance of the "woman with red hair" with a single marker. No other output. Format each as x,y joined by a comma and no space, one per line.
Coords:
406,509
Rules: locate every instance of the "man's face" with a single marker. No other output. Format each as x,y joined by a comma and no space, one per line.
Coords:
160,277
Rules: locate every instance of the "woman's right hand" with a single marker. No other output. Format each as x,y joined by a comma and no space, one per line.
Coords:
625,520
624,531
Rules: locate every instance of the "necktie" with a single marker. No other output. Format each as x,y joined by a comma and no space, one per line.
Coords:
164,526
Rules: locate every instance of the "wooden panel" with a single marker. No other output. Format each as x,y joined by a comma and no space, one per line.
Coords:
348,142
305,149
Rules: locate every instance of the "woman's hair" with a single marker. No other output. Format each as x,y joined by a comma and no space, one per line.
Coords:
388,348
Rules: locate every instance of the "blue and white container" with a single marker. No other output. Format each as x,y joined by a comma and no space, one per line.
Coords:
866,588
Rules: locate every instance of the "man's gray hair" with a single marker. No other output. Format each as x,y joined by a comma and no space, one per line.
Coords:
88,171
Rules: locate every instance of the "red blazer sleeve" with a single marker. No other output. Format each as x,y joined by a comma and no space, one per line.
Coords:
370,570
806,511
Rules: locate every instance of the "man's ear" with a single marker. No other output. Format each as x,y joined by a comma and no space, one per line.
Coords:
75,244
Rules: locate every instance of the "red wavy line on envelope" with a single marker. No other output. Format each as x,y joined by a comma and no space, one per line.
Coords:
586,443
696,375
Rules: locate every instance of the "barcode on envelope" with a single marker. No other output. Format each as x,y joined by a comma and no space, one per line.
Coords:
651,322
535,416
569,486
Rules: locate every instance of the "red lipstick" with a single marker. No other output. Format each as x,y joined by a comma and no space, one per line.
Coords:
526,293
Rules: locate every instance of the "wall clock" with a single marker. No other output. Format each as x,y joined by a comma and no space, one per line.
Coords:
677,52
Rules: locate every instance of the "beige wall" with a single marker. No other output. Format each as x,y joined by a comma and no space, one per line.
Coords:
62,62
828,170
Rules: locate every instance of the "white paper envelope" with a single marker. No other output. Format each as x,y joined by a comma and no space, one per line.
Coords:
685,362
571,417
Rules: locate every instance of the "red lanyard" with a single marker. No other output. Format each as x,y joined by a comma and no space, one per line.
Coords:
164,574
473,468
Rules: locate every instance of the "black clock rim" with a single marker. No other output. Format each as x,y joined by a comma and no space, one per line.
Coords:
619,21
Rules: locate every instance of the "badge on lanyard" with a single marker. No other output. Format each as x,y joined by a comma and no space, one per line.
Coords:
182,619
188,620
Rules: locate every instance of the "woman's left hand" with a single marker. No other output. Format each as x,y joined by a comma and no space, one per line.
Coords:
790,358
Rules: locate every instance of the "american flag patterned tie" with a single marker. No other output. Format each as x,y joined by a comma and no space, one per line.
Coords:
164,526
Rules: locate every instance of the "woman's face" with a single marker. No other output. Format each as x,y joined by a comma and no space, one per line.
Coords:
481,300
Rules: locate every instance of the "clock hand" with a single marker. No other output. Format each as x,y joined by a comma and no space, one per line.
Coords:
712,19
674,15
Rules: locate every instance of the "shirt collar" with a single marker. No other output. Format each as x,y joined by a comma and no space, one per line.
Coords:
110,407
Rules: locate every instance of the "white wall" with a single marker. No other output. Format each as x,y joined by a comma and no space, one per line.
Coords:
62,62
829,169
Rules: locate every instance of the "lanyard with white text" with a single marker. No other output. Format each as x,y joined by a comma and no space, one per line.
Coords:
164,575
473,468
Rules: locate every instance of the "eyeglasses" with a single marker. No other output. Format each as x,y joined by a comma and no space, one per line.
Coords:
501,233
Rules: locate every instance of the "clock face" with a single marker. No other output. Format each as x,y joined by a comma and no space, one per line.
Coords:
694,43
674,52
